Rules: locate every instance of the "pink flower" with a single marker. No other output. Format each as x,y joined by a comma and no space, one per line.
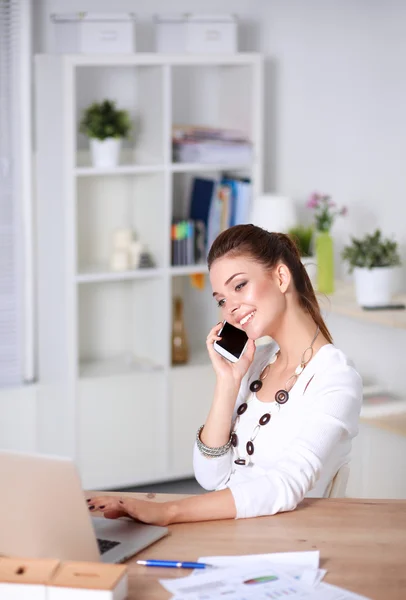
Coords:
313,201
344,211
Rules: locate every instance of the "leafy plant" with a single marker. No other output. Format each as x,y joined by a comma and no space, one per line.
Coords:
325,211
303,238
371,251
103,120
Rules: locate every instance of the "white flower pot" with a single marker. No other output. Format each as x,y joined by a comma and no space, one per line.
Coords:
105,153
310,264
373,287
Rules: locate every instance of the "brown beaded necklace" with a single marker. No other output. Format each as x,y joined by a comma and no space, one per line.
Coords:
281,397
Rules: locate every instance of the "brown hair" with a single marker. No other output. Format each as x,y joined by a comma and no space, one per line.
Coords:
269,249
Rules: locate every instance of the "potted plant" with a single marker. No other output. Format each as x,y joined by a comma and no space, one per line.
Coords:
325,213
106,126
302,235
372,259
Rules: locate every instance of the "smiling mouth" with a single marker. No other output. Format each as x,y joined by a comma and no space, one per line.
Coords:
247,318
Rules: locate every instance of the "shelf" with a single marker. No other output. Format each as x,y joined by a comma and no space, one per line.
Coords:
394,422
197,359
100,275
120,365
188,269
342,302
158,59
199,167
119,170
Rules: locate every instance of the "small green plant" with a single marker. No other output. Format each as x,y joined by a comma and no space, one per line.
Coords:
303,238
103,120
371,251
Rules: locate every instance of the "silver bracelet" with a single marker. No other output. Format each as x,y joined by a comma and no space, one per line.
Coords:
211,452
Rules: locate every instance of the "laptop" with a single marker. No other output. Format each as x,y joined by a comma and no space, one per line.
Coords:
44,514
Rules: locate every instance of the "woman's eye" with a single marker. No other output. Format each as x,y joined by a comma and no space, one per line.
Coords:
240,286
220,303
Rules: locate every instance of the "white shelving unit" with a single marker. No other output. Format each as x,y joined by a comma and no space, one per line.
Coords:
107,386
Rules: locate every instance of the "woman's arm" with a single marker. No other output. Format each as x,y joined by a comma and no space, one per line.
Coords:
216,431
214,473
206,507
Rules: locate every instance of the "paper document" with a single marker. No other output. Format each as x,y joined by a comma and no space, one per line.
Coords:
300,565
261,581
273,576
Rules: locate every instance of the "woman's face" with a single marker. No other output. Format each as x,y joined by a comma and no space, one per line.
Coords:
250,297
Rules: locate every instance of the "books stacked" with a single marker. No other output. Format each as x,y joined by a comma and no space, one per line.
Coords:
210,145
188,242
214,205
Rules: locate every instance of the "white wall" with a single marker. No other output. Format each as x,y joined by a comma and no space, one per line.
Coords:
338,96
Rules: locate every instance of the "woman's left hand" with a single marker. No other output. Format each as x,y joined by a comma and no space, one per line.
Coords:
113,507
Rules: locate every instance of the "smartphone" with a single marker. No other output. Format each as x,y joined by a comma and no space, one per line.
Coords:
233,342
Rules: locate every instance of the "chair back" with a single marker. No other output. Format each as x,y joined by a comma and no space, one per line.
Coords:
338,484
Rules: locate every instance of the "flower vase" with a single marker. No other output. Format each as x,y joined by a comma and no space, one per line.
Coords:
325,262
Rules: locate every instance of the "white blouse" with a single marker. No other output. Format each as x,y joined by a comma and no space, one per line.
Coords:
306,441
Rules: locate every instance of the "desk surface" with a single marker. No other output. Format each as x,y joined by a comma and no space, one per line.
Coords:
362,544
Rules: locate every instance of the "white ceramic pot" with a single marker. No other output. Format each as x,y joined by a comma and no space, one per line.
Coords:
374,287
105,153
310,264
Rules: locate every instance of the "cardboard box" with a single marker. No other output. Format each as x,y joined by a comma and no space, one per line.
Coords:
21,579
88,581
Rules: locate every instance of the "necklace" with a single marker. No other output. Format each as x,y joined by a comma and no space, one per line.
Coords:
281,397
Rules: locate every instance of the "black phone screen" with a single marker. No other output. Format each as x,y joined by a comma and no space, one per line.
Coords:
232,339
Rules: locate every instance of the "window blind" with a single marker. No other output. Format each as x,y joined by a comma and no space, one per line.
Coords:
15,189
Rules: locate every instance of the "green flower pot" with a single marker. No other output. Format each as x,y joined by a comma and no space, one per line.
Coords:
325,262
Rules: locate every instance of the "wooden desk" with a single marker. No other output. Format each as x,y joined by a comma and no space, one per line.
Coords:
362,544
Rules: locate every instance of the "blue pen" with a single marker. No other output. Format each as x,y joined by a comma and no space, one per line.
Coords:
173,564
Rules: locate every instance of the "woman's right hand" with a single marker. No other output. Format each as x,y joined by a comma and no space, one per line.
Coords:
224,368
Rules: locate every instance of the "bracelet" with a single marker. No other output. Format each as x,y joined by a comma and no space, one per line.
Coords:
211,452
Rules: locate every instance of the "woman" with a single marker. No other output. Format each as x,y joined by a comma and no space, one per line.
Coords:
283,416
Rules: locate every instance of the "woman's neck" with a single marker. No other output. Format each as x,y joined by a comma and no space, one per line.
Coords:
294,335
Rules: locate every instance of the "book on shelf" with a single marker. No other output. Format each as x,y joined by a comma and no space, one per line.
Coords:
187,242
218,205
210,145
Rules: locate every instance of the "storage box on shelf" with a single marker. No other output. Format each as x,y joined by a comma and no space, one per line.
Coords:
97,33
199,33
108,394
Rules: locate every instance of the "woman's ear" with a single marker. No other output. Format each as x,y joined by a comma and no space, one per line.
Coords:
283,277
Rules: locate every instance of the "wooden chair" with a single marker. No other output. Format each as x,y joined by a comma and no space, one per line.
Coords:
338,484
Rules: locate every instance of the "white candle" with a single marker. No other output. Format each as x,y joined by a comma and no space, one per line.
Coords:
119,260
122,239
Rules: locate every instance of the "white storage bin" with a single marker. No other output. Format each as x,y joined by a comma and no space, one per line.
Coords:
196,34
94,33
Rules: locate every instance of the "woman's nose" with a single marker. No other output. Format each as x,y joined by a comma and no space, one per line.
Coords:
233,307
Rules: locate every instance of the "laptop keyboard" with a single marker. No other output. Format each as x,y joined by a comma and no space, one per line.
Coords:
105,545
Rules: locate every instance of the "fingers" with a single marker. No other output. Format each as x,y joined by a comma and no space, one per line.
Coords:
104,503
213,334
114,514
250,350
